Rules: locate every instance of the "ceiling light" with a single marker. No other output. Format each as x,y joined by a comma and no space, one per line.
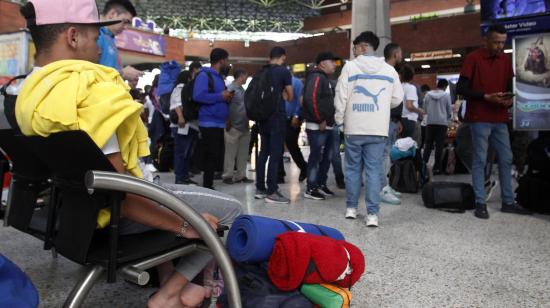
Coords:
508,51
425,66
457,55
407,59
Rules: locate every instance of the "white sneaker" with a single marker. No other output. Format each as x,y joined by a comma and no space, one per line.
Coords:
393,191
372,220
387,197
351,213
151,168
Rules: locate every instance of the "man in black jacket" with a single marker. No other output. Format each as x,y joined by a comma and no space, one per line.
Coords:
318,112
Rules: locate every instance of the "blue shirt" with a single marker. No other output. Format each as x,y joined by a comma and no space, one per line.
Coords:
293,107
280,78
109,52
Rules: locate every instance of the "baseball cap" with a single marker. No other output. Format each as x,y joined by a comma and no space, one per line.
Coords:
325,55
48,12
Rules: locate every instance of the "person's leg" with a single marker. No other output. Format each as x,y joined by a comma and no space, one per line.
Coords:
428,145
291,142
192,138
480,140
209,159
276,147
373,161
500,140
336,157
315,140
242,155
409,128
440,135
231,148
353,168
326,158
262,157
464,145
423,130
179,155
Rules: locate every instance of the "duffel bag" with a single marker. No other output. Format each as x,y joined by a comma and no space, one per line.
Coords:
532,193
454,197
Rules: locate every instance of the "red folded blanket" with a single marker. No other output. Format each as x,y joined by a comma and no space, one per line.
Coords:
299,258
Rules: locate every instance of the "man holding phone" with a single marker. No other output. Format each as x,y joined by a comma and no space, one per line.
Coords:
485,81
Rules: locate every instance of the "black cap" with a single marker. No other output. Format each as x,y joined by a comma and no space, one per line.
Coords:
325,55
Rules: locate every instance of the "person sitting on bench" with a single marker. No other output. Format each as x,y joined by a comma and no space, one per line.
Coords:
66,91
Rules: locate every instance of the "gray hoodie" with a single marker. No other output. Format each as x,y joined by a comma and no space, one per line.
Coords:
437,104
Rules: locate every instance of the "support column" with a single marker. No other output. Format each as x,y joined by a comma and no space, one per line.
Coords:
371,15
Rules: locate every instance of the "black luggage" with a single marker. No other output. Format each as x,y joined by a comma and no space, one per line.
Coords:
533,193
454,197
404,175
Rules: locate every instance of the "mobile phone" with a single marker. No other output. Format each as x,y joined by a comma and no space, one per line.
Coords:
508,94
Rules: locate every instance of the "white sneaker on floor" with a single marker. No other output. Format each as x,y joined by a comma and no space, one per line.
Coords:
371,221
387,197
351,213
393,191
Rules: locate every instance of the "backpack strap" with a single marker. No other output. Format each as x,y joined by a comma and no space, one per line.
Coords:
210,82
3,89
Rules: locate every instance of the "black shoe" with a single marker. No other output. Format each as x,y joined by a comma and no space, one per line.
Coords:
314,194
481,211
340,183
245,180
228,181
324,190
514,208
303,175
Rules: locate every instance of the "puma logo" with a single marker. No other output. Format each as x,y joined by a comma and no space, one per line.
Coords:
364,91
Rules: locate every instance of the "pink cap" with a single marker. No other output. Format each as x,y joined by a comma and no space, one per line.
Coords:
67,11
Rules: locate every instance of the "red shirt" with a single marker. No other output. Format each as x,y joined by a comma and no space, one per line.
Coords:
487,74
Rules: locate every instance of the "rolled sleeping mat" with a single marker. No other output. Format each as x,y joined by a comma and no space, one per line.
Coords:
251,238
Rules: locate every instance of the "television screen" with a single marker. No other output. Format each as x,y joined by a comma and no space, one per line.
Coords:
501,9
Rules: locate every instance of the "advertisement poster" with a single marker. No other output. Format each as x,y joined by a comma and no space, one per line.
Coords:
143,42
532,82
14,54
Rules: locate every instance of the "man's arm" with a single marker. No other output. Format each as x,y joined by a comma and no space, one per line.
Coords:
397,94
149,213
464,88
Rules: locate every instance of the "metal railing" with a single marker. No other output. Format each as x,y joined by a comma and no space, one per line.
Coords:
125,183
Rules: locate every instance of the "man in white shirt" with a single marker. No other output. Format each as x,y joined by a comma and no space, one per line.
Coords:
411,111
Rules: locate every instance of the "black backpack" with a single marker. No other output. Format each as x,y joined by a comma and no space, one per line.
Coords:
190,108
163,158
404,176
448,196
259,99
257,291
9,103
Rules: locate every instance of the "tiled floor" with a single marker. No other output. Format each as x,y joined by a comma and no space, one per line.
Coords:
417,257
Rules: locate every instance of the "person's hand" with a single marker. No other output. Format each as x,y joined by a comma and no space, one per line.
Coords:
507,102
130,73
295,122
399,128
421,112
212,220
181,122
493,97
228,125
285,96
227,96
323,126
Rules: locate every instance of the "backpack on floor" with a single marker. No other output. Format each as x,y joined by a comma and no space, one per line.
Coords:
260,101
449,196
533,192
163,158
404,175
257,291
538,155
450,162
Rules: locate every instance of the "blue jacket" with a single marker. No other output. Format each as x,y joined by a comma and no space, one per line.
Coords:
214,110
169,72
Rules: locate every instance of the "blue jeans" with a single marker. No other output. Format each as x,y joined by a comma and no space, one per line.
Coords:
272,133
320,155
392,137
497,135
364,152
336,157
184,146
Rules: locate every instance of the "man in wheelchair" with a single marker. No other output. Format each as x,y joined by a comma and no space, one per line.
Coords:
67,90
